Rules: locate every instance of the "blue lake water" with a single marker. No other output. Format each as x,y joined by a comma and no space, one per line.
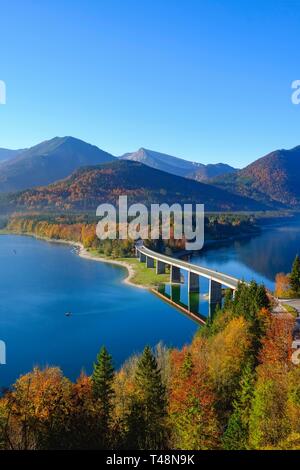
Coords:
40,281
259,257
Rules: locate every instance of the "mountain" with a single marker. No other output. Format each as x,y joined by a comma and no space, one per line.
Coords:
273,179
47,162
6,154
177,166
88,187
207,172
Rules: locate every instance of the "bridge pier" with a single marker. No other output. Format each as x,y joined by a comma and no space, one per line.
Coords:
149,262
160,267
163,262
215,292
193,282
175,274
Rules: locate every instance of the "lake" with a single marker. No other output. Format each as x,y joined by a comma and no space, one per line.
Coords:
41,281
259,257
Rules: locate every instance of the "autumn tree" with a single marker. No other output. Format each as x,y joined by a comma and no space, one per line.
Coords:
269,423
293,403
227,354
85,426
88,236
282,285
35,413
194,423
277,342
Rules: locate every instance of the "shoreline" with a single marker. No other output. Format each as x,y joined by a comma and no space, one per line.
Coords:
84,253
131,272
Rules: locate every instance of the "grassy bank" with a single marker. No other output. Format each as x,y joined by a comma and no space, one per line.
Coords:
145,276
292,310
142,276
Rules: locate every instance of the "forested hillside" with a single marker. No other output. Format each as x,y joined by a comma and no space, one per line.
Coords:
272,180
88,187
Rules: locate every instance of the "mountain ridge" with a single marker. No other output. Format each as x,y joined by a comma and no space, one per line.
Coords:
271,179
8,154
90,186
177,166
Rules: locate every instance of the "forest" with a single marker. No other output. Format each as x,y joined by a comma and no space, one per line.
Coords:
233,387
82,228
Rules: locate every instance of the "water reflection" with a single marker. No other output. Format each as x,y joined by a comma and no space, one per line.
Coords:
189,302
258,257
193,304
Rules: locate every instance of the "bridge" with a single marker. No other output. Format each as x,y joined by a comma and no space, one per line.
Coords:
216,279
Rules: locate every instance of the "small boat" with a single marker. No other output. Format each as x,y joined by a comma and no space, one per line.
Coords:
68,314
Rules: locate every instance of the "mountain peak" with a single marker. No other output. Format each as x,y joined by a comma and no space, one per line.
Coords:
177,166
48,162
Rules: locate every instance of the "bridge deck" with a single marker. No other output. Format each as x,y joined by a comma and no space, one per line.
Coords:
221,278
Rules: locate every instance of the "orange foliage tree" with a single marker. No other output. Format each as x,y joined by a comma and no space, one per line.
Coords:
191,404
277,342
282,285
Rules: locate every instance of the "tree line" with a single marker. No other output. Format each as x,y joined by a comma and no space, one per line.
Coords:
81,228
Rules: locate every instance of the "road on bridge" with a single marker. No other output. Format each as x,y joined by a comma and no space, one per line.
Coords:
224,279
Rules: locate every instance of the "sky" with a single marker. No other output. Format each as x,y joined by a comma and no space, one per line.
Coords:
206,80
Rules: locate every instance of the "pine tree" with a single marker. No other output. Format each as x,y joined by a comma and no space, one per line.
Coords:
295,276
148,409
149,383
234,436
237,431
228,299
102,379
261,297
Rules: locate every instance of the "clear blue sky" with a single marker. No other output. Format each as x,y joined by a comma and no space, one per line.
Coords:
207,80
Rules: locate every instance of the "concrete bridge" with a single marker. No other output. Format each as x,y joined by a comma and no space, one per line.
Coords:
216,279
